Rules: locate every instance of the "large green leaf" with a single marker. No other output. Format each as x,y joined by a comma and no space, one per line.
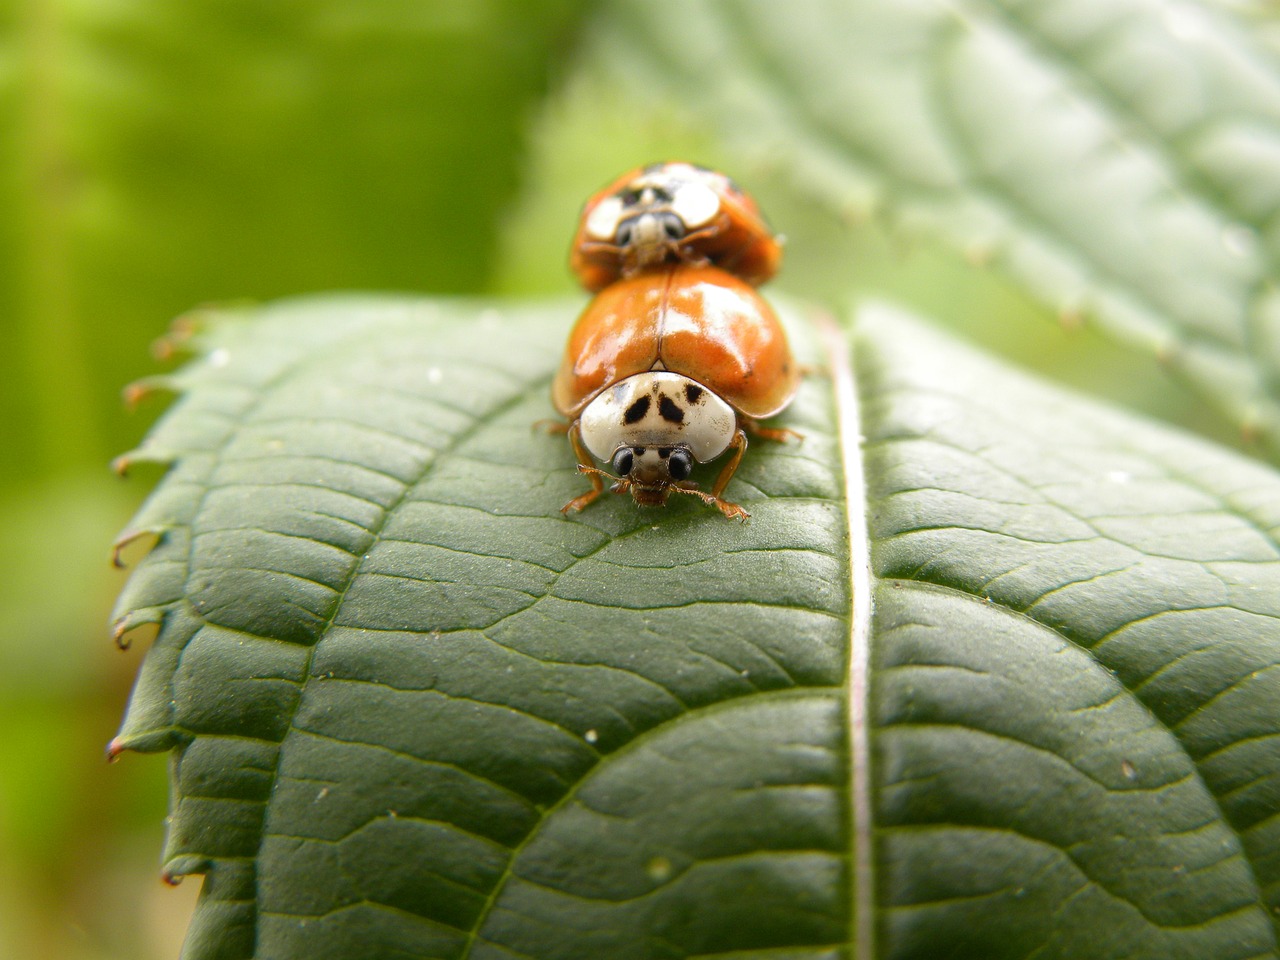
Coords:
1013,694
1120,158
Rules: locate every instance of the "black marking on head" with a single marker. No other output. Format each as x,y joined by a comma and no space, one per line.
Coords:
665,452
638,451
636,411
670,412
692,392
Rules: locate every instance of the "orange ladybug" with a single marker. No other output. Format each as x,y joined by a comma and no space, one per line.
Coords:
672,213
668,368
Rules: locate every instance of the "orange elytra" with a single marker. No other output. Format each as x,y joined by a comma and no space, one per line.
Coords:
669,213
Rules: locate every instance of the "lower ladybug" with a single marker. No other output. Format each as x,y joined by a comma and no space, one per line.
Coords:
672,213
670,368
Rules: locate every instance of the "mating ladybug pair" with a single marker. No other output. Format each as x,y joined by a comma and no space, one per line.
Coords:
677,358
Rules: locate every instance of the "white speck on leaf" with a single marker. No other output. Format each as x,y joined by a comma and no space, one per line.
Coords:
659,869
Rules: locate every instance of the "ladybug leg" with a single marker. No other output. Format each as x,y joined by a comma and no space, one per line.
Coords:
731,510
552,427
776,434
584,467
739,447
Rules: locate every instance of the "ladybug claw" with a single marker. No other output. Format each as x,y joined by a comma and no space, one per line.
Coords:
577,503
732,511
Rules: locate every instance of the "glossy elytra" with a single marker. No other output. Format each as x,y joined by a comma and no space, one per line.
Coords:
669,213
667,369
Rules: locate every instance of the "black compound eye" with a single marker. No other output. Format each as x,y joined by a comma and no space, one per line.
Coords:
680,465
672,226
625,229
623,460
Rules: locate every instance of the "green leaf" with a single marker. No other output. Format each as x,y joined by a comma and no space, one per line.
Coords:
1120,159
414,711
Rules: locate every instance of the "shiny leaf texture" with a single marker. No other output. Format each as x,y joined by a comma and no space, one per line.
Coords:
413,711
1119,158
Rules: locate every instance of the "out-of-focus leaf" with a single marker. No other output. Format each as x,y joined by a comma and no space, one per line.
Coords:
414,711
155,155
1121,158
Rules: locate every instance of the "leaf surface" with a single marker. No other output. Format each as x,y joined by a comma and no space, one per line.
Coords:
413,711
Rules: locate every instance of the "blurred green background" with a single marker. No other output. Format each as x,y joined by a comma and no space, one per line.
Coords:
158,155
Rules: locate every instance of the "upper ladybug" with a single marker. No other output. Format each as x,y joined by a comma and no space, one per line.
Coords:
669,213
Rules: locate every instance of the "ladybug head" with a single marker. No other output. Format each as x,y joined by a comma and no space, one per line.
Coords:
652,470
655,210
652,427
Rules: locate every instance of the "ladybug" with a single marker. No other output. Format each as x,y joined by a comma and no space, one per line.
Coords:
670,368
672,213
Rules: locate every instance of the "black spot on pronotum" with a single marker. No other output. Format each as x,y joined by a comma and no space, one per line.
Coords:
670,412
636,411
692,392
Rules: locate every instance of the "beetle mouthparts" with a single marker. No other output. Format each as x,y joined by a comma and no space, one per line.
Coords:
651,496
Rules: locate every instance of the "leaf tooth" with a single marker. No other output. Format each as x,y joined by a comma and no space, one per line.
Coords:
182,337
128,538
140,617
183,865
1072,316
1167,352
981,253
146,387
143,454
1251,426
147,741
